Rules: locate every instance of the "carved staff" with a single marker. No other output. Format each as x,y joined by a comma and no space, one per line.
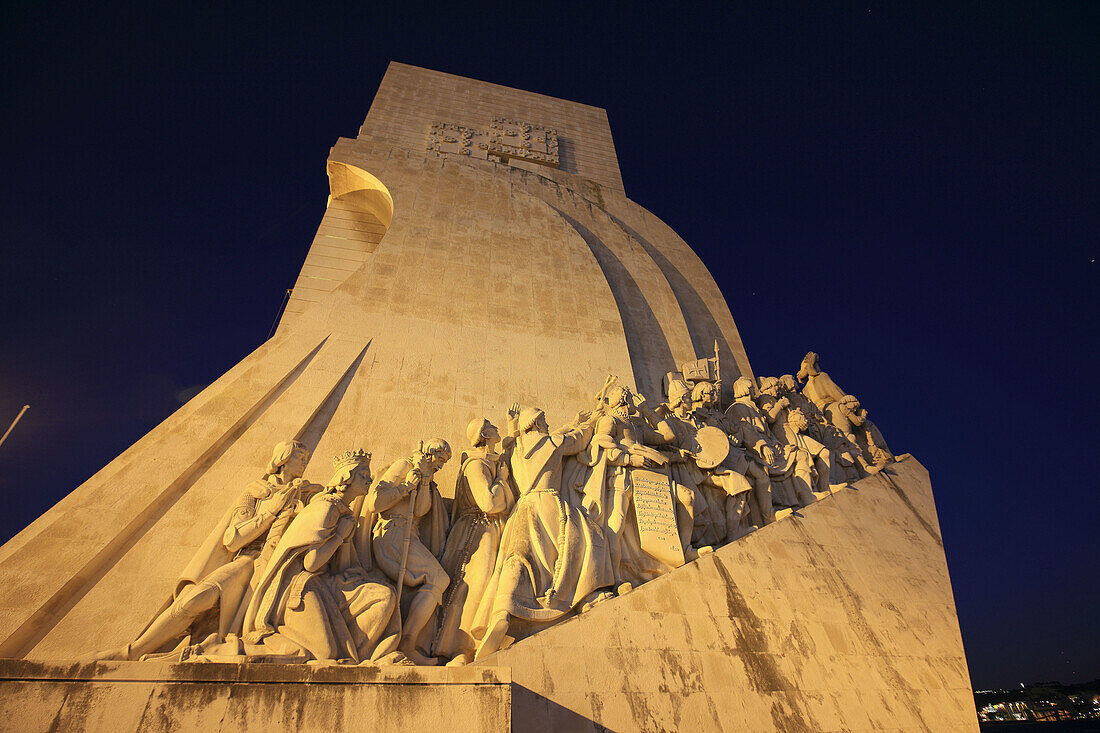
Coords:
717,375
405,555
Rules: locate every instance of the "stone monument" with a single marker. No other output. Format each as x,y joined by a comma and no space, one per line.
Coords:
684,548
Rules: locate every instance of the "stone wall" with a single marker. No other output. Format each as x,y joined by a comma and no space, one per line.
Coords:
411,98
840,617
107,697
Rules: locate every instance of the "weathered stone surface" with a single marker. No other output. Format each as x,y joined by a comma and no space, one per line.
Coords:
209,697
839,617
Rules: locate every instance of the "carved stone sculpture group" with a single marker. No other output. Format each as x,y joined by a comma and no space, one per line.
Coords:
544,523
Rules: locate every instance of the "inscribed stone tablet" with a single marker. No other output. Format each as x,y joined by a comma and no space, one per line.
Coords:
656,514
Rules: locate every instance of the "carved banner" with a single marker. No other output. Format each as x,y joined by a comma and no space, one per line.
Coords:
656,514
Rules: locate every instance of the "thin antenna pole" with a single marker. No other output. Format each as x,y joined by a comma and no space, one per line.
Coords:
13,422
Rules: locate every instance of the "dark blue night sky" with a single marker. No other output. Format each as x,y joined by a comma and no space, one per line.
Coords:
909,189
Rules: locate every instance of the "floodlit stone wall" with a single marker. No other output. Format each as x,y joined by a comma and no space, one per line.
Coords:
837,618
214,698
410,99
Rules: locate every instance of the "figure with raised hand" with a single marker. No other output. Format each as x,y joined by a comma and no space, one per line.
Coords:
788,387
315,599
851,420
628,449
844,454
820,387
778,458
813,461
773,407
551,558
620,443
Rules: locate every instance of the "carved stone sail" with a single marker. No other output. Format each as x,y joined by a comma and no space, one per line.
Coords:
477,250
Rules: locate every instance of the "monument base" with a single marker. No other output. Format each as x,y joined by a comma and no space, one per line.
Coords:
212,697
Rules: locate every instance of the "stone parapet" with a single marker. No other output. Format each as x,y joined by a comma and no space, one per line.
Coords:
211,697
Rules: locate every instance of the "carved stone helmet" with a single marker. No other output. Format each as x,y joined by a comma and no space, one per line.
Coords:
475,429
742,387
678,392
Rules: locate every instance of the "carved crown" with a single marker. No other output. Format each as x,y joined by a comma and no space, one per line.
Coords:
351,458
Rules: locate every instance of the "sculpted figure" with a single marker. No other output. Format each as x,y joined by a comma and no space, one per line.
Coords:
709,498
409,534
773,406
813,462
483,499
788,387
625,431
852,421
704,400
755,508
315,599
779,459
820,388
843,453
551,559
219,574
812,457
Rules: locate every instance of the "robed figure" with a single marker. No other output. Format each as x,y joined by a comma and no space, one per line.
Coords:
409,527
315,599
483,500
212,592
551,557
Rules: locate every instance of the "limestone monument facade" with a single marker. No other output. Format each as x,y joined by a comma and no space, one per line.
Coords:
631,532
